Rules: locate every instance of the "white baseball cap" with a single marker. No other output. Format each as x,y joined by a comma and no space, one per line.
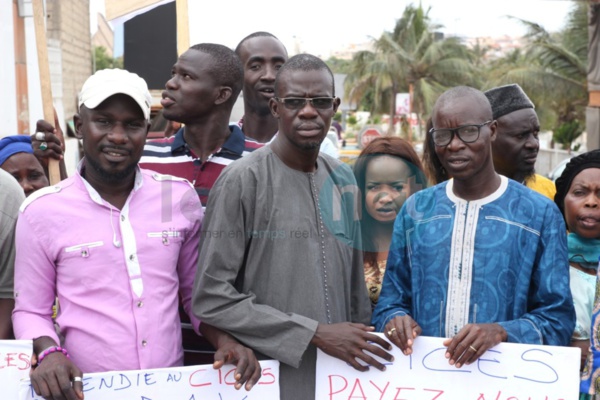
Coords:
108,82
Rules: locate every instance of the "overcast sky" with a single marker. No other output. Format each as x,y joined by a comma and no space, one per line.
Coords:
323,26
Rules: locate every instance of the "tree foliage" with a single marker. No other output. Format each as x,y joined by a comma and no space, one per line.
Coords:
102,60
553,68
338,65
567,132
412,58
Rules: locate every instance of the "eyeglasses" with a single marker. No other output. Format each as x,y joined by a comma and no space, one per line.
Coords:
466,133
298,103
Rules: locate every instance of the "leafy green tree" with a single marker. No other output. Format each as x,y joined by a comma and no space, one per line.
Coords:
478,54
412,58
567,132
553,68
500,71
338,65
102,60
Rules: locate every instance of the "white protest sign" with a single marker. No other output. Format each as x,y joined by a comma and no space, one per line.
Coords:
15,363
506,372
200,382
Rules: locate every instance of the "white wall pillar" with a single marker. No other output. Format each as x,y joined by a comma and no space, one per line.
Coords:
8,83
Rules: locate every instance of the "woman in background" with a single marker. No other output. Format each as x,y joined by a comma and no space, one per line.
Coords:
387,171
578,198
432,166
16,158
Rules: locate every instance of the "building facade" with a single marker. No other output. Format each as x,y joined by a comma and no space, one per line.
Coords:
69,55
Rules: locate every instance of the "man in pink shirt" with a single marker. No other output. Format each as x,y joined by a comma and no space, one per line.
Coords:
117,245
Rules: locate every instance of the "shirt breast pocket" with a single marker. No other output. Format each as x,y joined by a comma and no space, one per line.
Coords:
166,237
87,265
83,250
165,246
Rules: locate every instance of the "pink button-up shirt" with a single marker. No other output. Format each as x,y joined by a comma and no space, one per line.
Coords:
117,273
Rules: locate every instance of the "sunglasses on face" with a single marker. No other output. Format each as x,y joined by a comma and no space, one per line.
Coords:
297,103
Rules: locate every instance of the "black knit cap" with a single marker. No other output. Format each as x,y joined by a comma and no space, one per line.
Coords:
591,159
506,99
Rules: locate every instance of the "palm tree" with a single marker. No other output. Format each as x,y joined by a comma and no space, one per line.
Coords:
553,70
504,70
412,58
479,54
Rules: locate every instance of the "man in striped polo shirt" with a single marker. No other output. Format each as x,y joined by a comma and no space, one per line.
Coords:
206,81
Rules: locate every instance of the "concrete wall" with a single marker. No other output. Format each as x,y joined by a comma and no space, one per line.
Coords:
549,158
104,35
69,24
592,126
69,54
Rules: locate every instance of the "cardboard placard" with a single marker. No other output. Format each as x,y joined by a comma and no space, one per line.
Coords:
506,372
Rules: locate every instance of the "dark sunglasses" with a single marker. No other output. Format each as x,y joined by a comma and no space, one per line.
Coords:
297,103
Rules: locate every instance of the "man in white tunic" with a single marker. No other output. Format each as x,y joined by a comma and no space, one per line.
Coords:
479,259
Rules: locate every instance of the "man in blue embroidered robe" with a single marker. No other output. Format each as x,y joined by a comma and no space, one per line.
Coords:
478,259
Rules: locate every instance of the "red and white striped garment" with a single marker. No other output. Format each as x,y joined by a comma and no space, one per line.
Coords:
172,156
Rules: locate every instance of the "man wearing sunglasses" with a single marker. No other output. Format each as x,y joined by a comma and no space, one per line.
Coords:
281,263
478,259
516,146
